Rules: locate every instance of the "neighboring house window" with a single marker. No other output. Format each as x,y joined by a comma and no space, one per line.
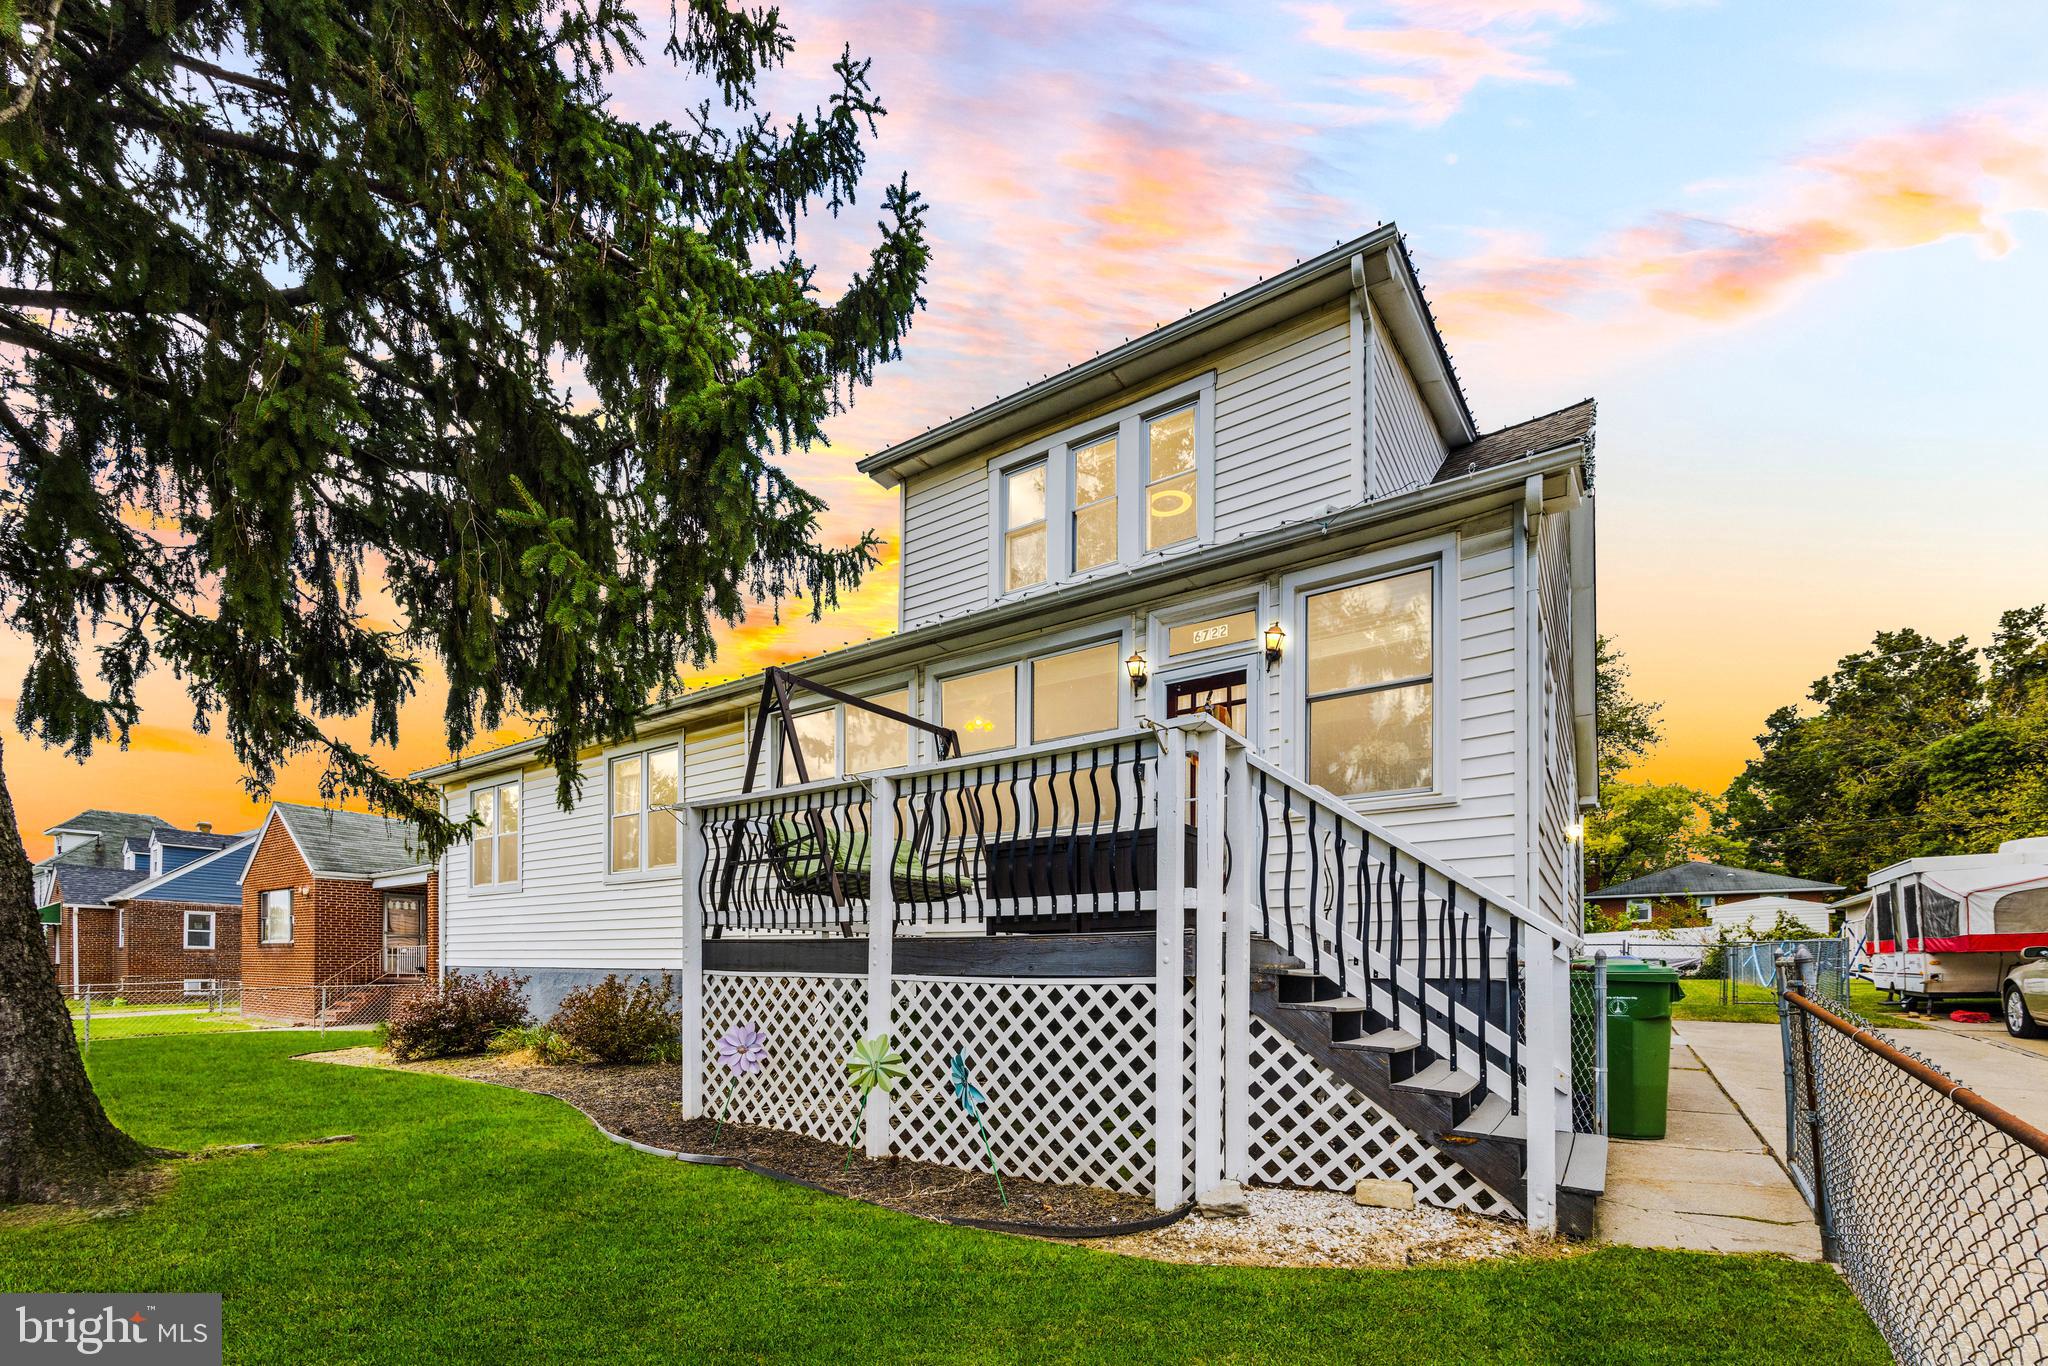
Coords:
867,742
1094,484
1639,910
1371,684
274,923
199,929
1170,478
643,833
120,928
1024,551
494,844
1707,903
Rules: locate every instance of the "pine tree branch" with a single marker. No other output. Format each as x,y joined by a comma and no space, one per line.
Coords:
37,60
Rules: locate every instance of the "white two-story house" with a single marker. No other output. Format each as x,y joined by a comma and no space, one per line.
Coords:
1256,579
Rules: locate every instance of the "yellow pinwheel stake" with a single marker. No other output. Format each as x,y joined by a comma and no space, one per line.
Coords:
872,1066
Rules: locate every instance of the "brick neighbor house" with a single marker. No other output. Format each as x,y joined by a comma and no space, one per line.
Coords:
98,931
183,927
1683,895
334,902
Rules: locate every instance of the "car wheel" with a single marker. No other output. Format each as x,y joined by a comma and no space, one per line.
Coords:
2018,1023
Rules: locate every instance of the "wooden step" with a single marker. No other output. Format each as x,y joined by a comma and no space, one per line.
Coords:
1335,1005
1442,1079
1384,1041
1582,1158
1495,1118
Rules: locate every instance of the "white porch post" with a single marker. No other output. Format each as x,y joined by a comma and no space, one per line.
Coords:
1237,966
1209,966
1540,1055
692,986
881,943
1169,1075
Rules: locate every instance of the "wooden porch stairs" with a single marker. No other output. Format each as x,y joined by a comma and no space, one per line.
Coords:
1447,1107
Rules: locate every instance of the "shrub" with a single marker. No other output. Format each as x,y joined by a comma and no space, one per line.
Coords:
547,1047
460,1017
615,1022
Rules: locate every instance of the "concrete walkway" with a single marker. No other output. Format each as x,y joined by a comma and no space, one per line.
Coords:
1712,1183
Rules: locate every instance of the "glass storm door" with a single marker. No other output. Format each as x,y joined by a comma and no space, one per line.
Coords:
405,933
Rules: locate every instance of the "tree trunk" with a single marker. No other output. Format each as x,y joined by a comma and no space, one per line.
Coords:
56,1143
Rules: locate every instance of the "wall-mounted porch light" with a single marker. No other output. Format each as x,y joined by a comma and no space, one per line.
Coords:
1575,832
1136,667
1275,638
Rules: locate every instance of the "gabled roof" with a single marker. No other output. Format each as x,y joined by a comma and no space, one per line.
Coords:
120,824
345,843
136,844
1706,879
83,884
1552,431
215,878
197,839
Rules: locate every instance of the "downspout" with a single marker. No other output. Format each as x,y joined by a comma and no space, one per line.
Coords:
1361,325
74,949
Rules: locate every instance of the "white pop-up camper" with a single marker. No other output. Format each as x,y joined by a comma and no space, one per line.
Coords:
1953,925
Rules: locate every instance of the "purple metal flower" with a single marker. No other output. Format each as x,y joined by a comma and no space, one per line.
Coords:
743,1050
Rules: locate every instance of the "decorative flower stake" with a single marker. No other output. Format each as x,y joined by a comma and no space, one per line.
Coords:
742,1051
872,1066
971,1100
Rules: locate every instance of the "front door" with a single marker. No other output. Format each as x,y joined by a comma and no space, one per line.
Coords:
1223,695
405,934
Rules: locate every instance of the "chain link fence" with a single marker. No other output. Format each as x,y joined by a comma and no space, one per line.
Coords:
136,1009
1589,1046
1932,1200
1748,968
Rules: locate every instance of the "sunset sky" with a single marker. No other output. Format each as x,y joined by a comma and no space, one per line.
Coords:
1798,252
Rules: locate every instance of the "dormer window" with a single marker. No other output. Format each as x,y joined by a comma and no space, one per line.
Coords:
1106,494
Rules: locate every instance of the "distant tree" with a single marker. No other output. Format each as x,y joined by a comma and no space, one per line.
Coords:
1915,746
1643,827
303,300
1629,729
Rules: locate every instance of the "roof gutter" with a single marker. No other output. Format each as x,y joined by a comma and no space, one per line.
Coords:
1504,483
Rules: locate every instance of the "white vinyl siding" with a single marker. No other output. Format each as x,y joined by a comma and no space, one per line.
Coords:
945,543
1556,876
1284,442
1407,450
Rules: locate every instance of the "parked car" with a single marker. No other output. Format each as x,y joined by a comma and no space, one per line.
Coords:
2026,994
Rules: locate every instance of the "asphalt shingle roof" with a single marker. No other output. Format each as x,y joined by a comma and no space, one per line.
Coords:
195,839
119,823
1510,444
85,885
349,843
1705,879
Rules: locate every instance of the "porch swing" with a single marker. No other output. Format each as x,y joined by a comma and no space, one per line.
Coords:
810,857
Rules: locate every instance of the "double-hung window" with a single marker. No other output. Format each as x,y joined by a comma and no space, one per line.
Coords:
1024,538
1094,486
274,917
1371,684
494,843
1172,478
199,929
645,789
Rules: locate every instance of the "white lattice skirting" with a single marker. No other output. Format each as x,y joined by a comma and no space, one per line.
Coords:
1067,1069
1310,1129
812,1023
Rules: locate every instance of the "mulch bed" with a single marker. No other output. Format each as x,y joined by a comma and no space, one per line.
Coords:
643,1104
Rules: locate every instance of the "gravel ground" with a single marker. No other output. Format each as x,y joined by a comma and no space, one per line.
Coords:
1317,1228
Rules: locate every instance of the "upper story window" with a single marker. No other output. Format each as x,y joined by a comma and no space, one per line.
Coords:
1105,494
644,791
1024,559
1371,676
494,843
1171,478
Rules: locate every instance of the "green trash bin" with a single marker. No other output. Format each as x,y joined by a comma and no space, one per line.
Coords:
1639,997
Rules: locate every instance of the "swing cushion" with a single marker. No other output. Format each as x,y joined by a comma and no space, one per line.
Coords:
796,850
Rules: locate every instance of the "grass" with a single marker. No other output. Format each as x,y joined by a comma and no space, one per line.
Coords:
1702,1001
472,1222
120,1006
123,1026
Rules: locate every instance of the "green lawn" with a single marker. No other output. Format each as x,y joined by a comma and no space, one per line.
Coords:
476,1223
129,1026
118,1005
1702,1001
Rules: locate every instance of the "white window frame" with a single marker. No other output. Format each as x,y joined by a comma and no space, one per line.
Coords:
1642,912
263,918
1447,692
1128,422
1004,530
212,938
1117,631
1166,669
643,873
120,927
496,887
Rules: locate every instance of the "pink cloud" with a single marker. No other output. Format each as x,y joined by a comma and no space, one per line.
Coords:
1423,70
